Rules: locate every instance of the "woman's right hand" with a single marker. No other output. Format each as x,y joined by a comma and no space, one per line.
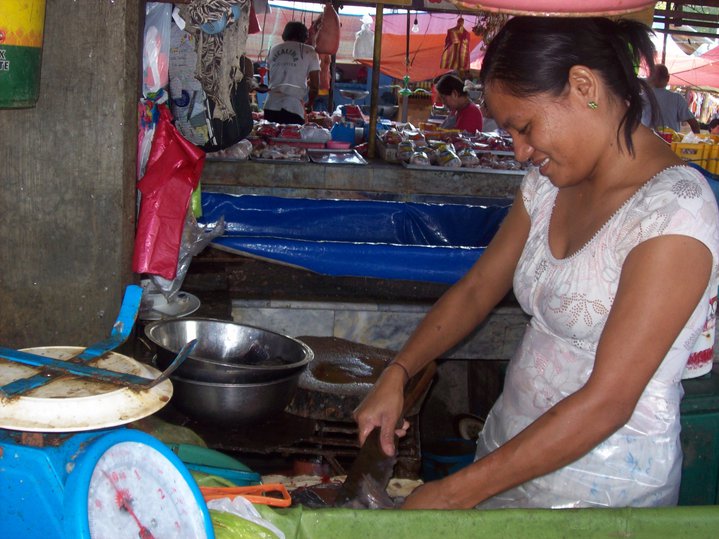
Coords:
382,408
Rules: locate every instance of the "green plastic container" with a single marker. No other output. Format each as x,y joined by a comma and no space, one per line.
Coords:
215,463
21,35
700,441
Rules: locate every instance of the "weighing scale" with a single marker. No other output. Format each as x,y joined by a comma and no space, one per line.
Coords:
69,468
353,112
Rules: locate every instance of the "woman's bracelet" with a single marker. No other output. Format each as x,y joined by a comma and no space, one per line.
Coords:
404,369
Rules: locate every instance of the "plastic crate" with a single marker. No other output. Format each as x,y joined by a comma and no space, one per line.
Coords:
700,440
694,152
712,160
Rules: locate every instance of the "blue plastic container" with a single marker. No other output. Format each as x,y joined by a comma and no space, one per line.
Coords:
343,133
448,456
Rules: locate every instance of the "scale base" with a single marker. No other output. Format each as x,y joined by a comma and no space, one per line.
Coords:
33,480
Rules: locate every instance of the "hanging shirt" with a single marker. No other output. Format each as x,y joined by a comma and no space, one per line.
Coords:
456,50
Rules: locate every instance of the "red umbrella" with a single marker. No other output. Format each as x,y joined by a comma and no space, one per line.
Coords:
699,71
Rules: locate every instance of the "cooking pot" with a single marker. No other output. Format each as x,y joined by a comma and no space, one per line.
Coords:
228,352
228,404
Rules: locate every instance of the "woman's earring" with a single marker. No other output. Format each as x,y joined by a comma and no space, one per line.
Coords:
593,105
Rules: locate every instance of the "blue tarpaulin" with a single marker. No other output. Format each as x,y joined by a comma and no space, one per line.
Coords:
361,238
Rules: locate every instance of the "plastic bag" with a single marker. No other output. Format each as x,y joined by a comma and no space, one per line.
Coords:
243,508
364,40
194,239
172,173
240,151
314,133
156,49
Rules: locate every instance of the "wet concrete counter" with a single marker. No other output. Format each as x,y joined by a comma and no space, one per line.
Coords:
376,180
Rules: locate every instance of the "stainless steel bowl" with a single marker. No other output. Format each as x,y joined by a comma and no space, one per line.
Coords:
228,404
228,352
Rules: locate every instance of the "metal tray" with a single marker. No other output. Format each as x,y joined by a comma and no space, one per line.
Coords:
496,152
336,157
73,403
484,170
302,159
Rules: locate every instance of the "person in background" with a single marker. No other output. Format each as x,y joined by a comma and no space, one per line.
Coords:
612,247
464,114
713,126
672,107
294,73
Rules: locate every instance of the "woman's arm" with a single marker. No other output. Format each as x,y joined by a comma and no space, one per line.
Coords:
661,283
451,319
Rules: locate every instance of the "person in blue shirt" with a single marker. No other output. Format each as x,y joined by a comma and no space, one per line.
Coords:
672,109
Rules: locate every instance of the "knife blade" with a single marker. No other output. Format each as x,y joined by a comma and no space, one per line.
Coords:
371,471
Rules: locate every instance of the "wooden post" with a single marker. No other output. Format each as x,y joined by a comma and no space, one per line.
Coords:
374,94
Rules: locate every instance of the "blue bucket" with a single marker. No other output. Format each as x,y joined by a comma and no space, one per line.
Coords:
447,457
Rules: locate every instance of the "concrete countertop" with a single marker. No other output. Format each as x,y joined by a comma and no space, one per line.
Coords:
377,180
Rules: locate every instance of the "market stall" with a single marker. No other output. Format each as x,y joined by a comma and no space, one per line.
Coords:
409,169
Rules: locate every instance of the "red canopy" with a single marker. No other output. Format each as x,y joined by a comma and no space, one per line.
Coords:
703,71
273,23
425,52
425,47
685,69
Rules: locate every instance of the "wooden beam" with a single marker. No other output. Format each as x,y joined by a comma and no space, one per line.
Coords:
374,94
686,33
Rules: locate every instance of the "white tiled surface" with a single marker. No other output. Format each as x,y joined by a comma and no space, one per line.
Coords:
382,325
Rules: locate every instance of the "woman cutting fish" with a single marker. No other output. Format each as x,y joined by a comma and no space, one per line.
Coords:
612,248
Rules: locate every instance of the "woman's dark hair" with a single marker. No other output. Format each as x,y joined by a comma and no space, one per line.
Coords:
295,31
533,55
450,83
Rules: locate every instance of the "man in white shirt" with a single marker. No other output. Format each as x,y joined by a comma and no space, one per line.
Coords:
672,108
294,76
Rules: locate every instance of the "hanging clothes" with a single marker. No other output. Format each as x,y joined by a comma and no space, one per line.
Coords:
219,64
456,48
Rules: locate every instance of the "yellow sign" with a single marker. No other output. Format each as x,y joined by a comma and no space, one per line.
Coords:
22,22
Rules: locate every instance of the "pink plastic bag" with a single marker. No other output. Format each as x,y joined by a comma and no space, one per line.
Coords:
172,173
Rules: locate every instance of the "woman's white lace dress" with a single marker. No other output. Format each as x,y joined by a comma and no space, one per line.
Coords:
569,301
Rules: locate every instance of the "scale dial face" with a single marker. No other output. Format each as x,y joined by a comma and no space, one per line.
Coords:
135,491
